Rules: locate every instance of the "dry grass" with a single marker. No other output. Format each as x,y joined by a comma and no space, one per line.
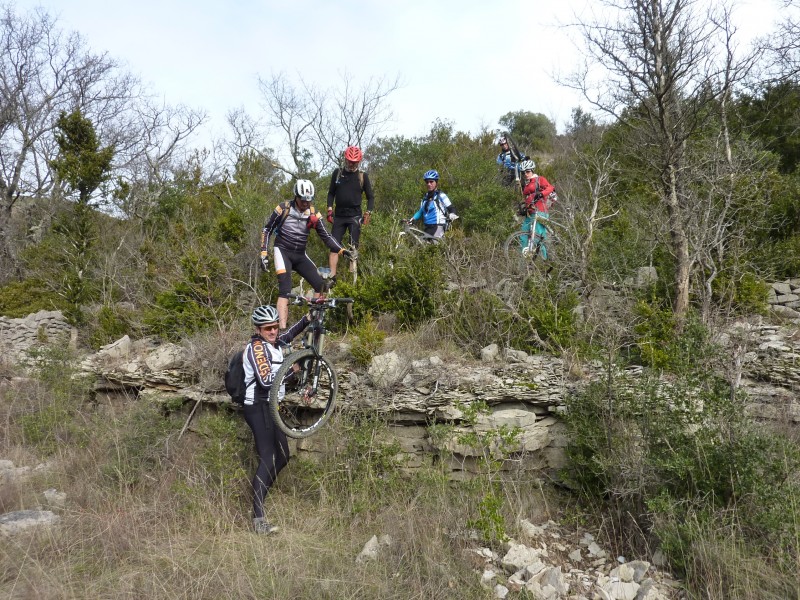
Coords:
720,569
147,517
143,544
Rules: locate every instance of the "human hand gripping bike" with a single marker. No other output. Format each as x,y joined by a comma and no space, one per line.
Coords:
303,393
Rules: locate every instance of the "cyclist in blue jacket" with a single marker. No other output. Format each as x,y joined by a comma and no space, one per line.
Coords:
435,210
507,159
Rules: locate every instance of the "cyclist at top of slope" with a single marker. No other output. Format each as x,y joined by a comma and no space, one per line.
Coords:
348,186
539,195
435,209
509,159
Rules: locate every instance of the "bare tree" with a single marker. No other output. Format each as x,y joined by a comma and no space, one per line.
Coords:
351,115
587,187
661,73
782,50
151,148
317,124
43,72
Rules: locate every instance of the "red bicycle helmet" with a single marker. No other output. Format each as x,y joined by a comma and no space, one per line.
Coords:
353,154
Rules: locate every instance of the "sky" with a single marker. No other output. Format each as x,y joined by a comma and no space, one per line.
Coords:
464,61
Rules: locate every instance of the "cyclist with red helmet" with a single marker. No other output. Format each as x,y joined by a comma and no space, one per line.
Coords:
348,186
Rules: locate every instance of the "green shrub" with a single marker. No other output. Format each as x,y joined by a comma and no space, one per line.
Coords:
661,343
673,454
406,286
229,229
21,298
368,341
746,294
550,310
55,418
490,522
196,302
110,324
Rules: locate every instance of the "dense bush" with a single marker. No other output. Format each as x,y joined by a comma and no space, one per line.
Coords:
21,298
407,287
675,460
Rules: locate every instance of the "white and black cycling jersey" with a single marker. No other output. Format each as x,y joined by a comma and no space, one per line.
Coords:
291,231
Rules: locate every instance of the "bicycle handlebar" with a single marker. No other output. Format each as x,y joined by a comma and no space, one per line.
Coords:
320,302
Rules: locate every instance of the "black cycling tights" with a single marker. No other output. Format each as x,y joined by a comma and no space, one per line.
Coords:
272,449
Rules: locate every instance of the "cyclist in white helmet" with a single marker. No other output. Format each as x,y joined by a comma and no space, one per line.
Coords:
290,223
508,160
539,195
262,357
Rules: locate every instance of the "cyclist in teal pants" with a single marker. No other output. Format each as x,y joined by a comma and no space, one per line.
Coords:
539,195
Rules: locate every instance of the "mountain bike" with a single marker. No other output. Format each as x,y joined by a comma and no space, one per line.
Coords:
412,235
516,251
303,393
417,237
518,158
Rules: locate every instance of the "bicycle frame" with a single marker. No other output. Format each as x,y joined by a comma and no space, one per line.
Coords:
532,245
420,235
303,393
314,336
535,243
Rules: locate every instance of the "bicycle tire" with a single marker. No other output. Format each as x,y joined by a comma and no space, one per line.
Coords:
512,248
294,414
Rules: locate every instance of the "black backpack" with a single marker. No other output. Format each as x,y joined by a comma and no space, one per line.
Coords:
234,378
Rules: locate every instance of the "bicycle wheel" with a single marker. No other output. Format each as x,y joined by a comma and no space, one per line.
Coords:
515,251
303,394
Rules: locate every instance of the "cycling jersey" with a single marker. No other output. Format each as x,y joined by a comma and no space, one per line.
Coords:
346,193
261,360
506,159
292,233
537,192
434,208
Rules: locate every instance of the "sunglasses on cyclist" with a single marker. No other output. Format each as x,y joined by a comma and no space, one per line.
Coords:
269,327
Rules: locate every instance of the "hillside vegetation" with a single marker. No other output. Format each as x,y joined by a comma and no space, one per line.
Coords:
111,219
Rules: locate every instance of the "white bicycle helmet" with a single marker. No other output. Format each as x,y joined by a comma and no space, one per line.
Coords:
265,314
304,189
527,165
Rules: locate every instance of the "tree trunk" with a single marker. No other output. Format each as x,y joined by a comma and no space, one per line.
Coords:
680,247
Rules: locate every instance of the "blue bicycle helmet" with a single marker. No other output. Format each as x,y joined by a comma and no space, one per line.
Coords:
432,174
